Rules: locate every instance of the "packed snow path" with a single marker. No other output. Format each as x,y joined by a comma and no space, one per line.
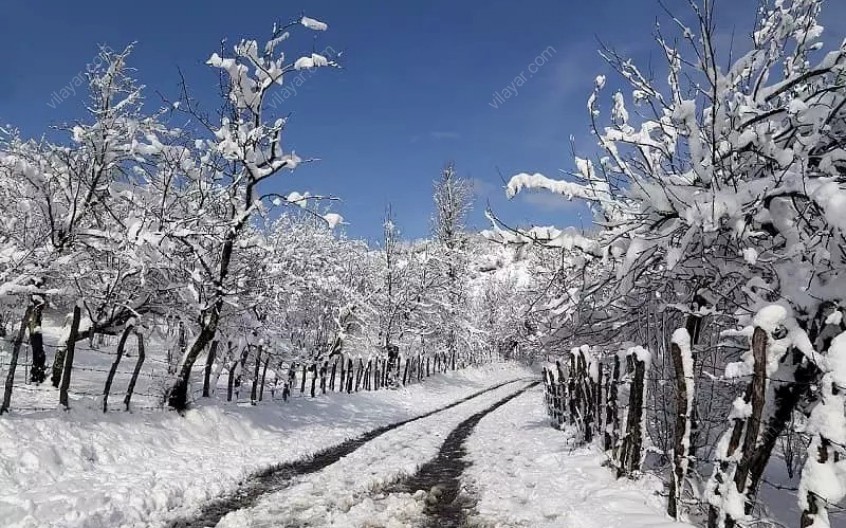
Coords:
371,487
446,503
279,477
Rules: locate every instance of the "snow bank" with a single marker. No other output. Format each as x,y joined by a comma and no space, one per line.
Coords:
85,469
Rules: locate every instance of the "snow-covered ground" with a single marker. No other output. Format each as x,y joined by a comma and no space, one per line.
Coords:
86,469
524,473
352,492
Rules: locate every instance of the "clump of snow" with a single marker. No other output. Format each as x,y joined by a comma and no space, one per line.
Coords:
333,219
770,317
314,61
297,198
750,255
641,353
313,24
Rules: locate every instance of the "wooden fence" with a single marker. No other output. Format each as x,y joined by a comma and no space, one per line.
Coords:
353,374
601,399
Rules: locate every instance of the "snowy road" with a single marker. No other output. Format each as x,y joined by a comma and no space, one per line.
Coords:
490,462
146,469
378,485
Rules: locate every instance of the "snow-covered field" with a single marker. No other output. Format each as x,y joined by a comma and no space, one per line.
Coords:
527,474
86,469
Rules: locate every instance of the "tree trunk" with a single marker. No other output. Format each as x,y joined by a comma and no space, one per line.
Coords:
359,374
118,356
13,362
292,379
366,376
230,381
210,357
70,348
136,371
263,378
386,373
177,397
405,373
256,372
182,343
343,374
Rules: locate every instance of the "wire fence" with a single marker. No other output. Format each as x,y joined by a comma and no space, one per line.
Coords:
231,381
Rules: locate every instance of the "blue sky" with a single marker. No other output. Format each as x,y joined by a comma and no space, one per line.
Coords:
417,88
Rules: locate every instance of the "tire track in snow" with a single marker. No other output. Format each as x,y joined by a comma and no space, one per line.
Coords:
276,478
446,506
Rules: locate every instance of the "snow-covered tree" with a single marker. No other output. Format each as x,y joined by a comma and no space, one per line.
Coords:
244,150
720,189
450,261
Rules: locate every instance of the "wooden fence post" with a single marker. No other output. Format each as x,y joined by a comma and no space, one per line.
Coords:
683,366
13,363
612,417
560,393
596,390
633,444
